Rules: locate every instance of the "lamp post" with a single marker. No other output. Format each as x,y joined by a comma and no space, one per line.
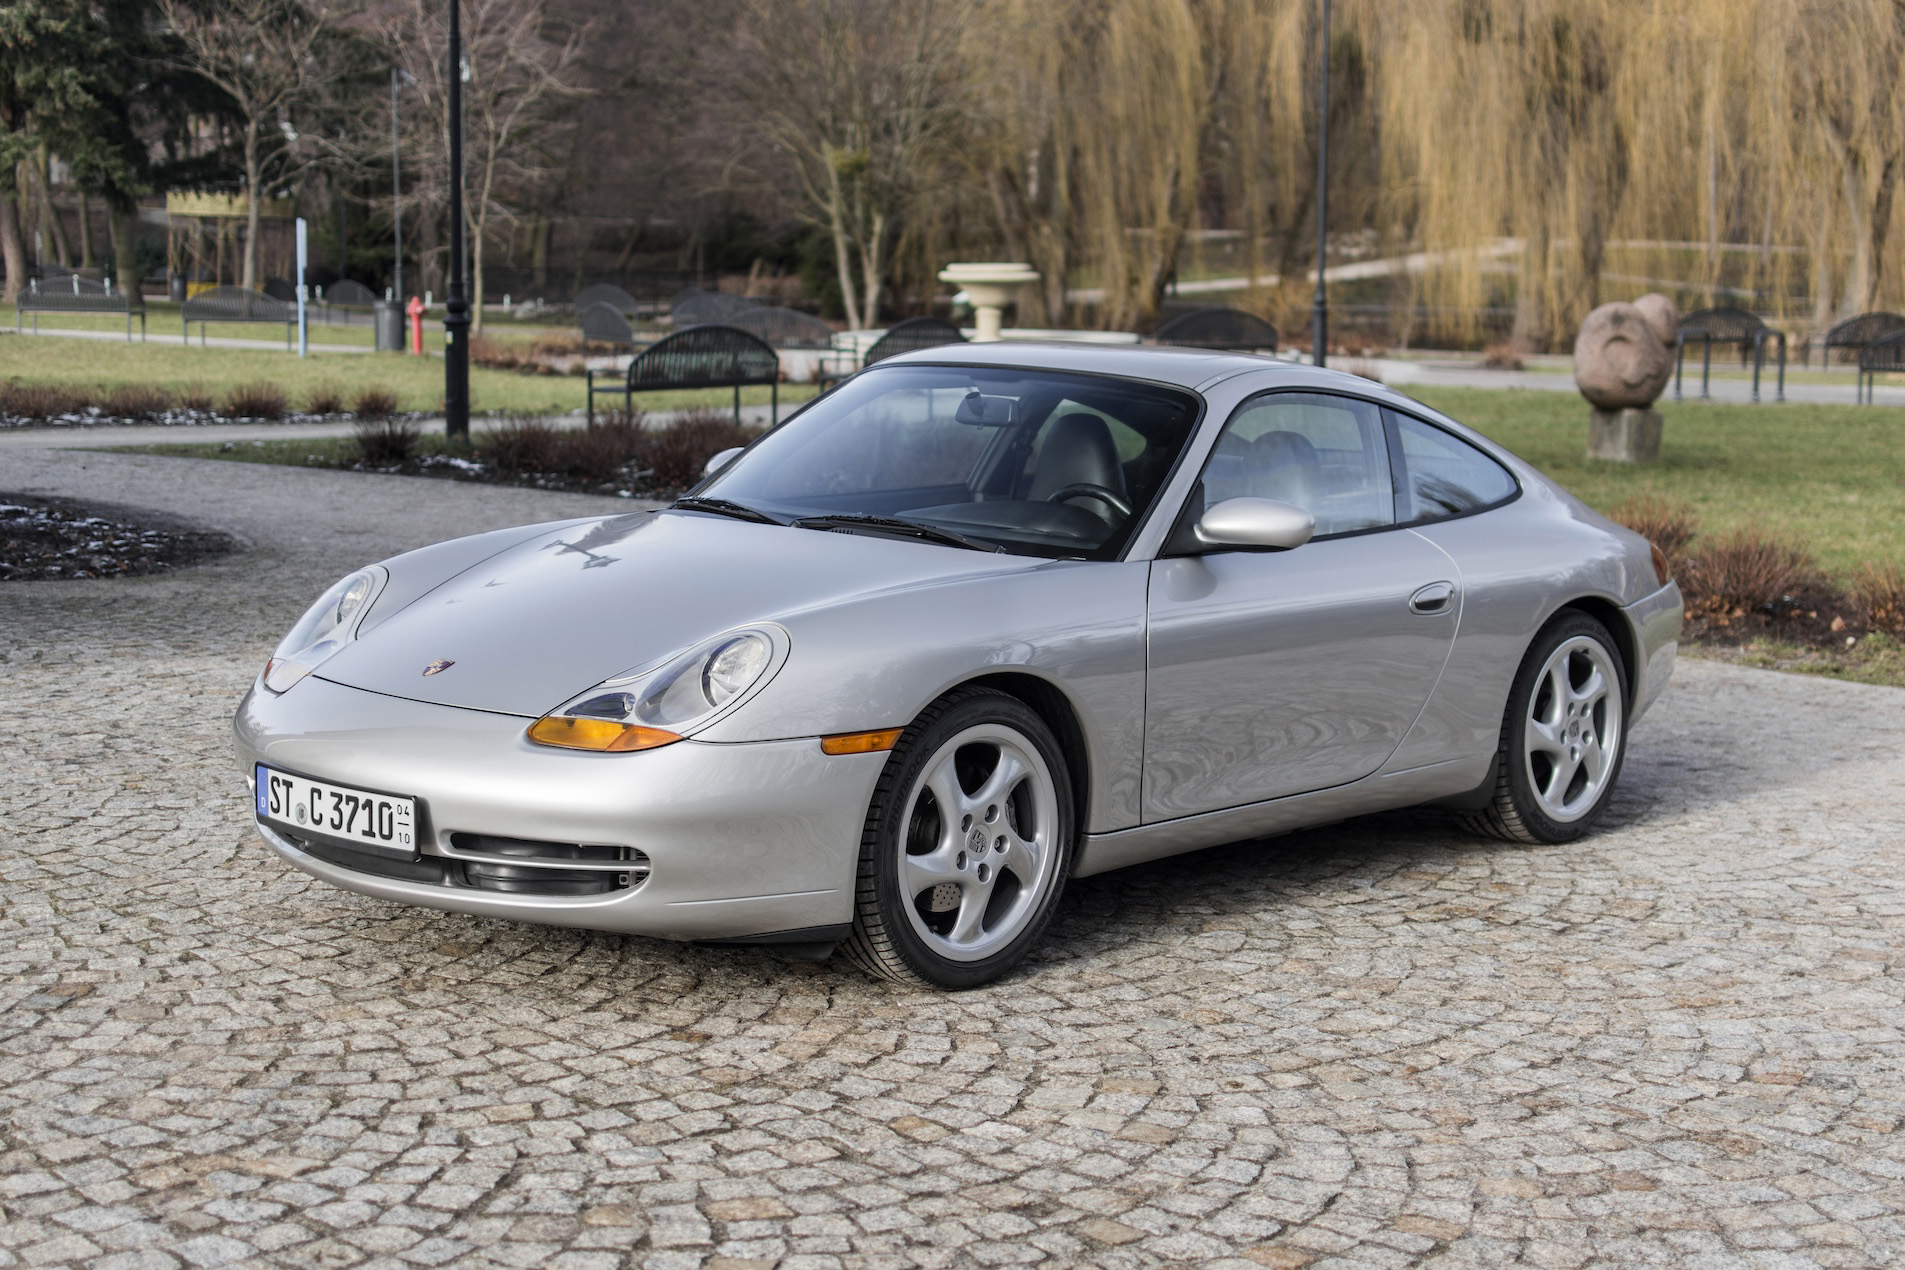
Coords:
396,182
1320,307
456,315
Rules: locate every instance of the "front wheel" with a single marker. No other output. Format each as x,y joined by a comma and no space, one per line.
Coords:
1563,736
967,844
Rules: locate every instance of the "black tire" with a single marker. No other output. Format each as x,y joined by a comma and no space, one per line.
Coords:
1518,811
886,942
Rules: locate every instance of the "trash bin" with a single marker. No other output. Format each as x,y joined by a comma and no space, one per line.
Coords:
175,288
386,319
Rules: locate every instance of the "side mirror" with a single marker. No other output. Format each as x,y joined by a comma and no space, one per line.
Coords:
721,460
1255,522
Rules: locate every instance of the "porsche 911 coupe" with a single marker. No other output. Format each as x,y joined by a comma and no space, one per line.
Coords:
979,620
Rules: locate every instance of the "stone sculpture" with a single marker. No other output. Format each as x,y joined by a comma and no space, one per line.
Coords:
1623,358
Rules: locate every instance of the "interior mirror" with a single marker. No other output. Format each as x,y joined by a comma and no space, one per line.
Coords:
981,411
721,460
1255,522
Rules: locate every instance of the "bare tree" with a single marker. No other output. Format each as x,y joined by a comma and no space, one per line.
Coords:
516,76
856,97
266,56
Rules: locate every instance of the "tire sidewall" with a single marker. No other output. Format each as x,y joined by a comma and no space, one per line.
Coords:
1521,788
908,761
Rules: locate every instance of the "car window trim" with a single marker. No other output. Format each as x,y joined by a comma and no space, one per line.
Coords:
1304,390
1399,469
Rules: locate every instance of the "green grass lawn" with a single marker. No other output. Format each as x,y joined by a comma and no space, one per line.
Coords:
98,366
162,318
1831,478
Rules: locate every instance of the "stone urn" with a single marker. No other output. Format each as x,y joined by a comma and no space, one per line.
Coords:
1623,358
990,285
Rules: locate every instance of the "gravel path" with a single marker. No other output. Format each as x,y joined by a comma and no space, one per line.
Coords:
1381,1043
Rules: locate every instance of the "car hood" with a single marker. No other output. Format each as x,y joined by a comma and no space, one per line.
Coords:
551,617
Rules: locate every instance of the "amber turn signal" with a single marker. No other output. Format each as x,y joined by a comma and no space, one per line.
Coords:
1661,570
861,742
597,734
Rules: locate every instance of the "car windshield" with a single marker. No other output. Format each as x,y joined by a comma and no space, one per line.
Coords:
1035,462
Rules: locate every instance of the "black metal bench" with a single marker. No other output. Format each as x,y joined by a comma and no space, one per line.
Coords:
708,356
1880,357
74,294
1854,334
605,293
1231,330
237,304
603,323
1728,326
694,307
902,337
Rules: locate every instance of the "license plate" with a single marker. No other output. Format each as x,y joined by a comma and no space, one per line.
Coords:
302,805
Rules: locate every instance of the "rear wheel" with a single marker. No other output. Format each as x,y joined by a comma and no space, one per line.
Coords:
967,844
1563,736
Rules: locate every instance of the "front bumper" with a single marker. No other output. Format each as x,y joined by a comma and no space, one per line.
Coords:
740,840
1655,621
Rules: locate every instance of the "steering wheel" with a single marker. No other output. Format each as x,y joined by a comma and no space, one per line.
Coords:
1085,489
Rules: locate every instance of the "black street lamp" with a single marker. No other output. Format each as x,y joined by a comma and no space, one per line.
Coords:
1320,307
456,306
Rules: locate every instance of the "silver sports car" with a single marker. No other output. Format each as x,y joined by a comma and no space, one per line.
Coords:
979,620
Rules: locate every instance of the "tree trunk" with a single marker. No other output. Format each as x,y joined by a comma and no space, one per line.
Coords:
124,226
85,230
42,177
1879,227
476,279
1861,278
871,252
254,209
12,249
539,254
1531,325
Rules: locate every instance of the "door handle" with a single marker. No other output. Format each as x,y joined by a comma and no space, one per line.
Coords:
1437,597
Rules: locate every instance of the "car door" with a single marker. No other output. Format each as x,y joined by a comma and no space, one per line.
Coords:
1276,672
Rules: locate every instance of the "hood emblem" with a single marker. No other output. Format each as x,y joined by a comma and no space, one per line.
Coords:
437,667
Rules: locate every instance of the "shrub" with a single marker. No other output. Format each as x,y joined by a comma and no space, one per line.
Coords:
385,441
324,400
374,403
494,354
41,401
196,398
1506,355
1878,592
525,446
255,401
137,401
1667,524
599,454
676,455
1741,571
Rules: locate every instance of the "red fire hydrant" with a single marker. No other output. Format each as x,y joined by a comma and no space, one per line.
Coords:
415,310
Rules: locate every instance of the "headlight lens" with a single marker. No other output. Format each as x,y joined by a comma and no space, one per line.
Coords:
325,628
647,708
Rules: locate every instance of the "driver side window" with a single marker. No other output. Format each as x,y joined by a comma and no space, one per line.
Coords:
1324,454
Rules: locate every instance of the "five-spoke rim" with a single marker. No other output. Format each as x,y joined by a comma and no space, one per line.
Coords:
978,843
1574,729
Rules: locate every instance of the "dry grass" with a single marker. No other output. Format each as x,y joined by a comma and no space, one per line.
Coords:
1505,355
196,397
137,401
1878,592
1742,572
384,440
523,446
374,403
1667,523
256,401
325,399
41,401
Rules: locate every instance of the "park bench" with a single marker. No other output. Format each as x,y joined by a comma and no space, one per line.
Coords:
1854,334
603,323
1220,328
694,307
237,304
1728,326
606,293
902,337
708,356
1886,356
74,294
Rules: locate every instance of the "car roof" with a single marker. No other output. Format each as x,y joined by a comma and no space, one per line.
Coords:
1184,367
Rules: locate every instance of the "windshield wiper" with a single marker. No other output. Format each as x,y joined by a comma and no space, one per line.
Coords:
725,507
893,524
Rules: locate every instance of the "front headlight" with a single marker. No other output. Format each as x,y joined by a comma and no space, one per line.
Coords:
324,629
655,706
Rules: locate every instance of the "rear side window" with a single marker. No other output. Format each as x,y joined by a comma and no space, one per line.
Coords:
1440,475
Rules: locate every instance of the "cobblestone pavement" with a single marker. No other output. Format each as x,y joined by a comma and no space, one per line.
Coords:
1381,1043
